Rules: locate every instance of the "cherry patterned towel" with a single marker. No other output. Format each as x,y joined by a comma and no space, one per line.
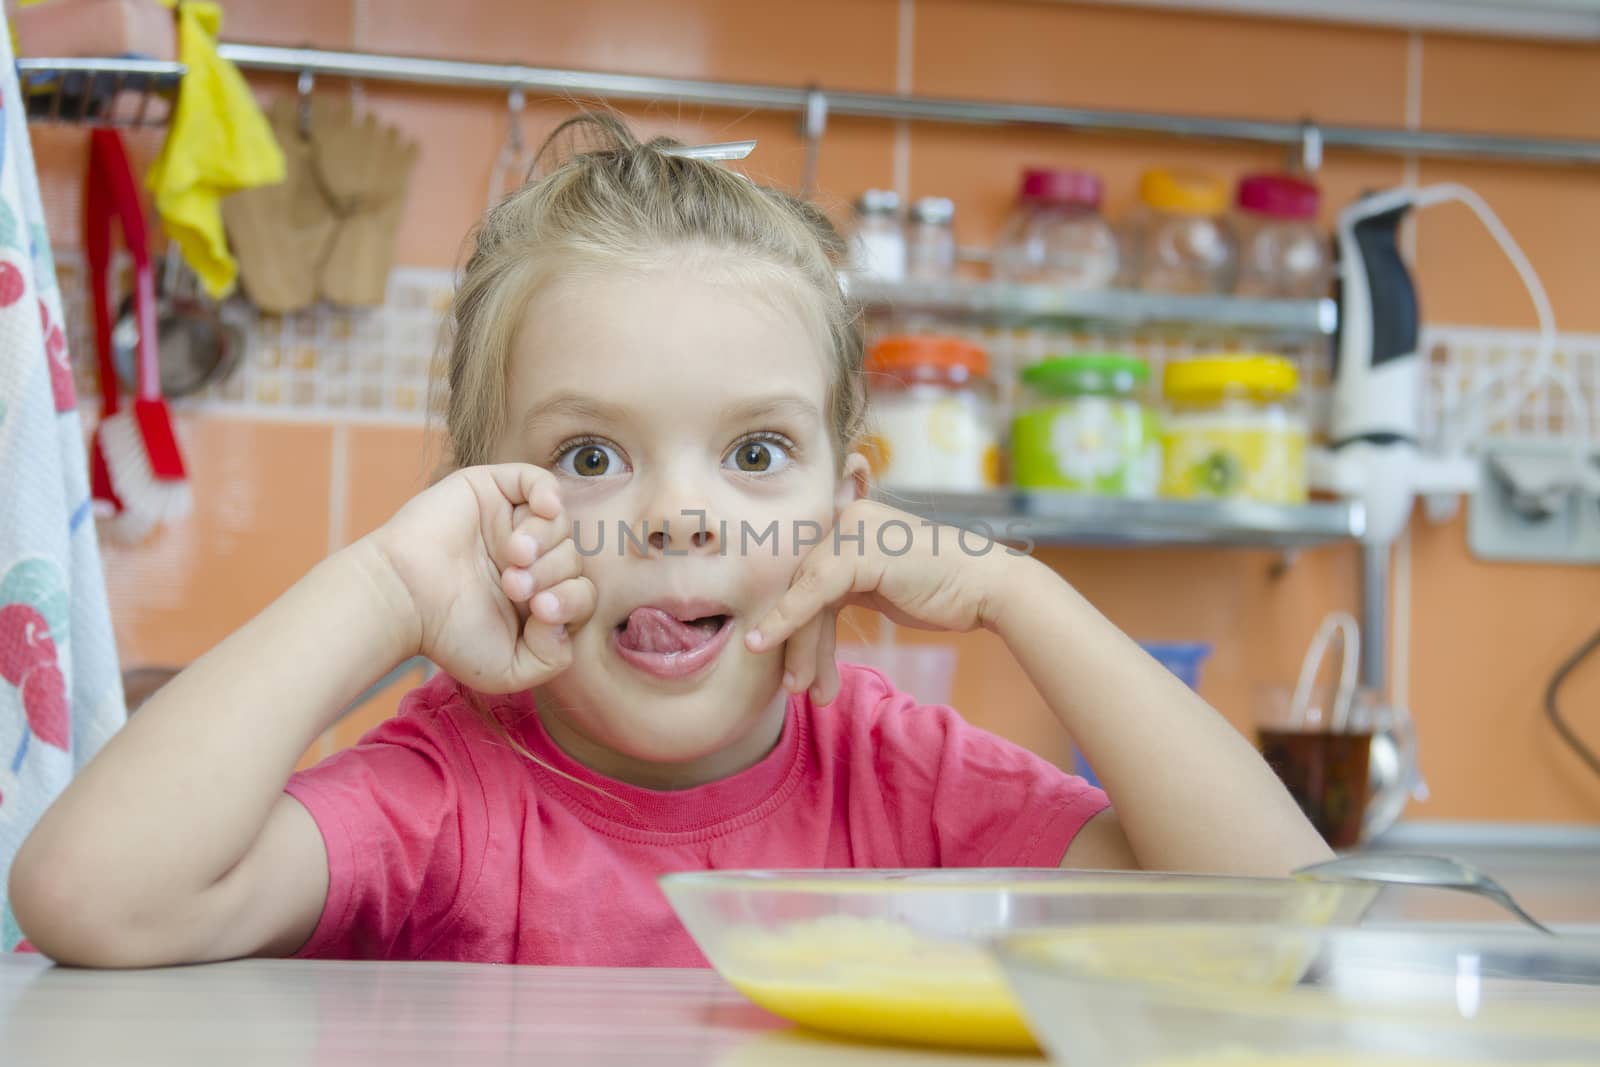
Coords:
60,689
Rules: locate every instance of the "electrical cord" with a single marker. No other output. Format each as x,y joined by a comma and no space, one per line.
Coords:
1553,712
1476,421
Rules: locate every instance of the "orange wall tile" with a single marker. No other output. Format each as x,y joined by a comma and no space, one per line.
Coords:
1484,637
1532,88
1486,641
384,467
844,43
260,521
1538,89
292,23
1087,56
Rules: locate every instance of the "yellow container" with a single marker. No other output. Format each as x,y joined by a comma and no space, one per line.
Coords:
1183,192
1181,241
1234,429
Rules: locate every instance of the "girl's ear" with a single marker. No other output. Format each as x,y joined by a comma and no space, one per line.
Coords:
855,481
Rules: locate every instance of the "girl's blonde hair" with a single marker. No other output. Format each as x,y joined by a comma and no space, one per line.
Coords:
611,203
614,203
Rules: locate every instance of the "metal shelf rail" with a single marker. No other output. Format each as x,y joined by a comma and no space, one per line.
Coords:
815,104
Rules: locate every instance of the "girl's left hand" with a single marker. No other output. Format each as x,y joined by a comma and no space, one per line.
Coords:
914,572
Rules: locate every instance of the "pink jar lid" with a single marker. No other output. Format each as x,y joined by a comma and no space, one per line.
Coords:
1278,196
1042,185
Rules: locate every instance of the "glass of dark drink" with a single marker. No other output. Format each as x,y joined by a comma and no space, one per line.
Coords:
1324,767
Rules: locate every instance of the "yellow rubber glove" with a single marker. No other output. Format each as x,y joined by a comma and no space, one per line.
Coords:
219,142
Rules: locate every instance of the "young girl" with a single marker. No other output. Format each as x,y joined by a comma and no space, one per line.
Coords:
655,389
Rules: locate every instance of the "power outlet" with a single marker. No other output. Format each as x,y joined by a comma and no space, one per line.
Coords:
1537,502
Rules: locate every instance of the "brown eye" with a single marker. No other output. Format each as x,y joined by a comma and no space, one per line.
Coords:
754,456
591,461
758,456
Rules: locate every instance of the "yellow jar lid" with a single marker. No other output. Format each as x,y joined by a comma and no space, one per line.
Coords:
1183,192
1263,376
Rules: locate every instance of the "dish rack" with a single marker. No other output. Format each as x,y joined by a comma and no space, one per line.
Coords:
125,93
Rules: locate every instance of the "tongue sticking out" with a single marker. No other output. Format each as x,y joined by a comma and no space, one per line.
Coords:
653,630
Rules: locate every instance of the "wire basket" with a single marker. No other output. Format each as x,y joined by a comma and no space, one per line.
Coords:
127,93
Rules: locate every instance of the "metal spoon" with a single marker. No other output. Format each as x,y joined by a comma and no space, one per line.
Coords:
1439,872
194,344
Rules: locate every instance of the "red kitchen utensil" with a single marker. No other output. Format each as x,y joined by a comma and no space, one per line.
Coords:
136,469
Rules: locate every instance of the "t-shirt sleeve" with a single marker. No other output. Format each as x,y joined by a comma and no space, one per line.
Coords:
389,809
963,797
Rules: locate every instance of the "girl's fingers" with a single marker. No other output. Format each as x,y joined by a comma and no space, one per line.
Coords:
826,686
568,603
521,547
823,579
515,499
543,651
529,584
517,584
557,565
800,657
523,483
526,543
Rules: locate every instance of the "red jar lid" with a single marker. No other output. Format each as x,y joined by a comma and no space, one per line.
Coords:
928,358
1278,196
1045,186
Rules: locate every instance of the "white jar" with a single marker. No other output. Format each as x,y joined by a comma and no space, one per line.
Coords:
1282,253
877,240
931,240
1184,244
1056,235
932,420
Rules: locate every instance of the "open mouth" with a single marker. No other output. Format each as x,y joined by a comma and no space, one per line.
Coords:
673,640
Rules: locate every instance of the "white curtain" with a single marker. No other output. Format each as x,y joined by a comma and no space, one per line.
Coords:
60,688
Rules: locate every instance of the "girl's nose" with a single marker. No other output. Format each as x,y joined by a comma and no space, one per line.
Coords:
680,519
684,533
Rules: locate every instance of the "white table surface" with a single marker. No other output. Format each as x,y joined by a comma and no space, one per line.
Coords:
285,1012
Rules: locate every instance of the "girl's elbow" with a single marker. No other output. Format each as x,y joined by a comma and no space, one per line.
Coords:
69,916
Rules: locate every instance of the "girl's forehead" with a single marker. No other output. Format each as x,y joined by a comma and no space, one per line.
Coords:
669,342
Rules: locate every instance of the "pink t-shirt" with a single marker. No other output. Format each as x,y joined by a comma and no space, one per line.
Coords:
445,843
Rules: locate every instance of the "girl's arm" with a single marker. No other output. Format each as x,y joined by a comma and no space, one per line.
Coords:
177,842
1189,793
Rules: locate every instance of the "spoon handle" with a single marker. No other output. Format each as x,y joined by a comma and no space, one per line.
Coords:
1505,900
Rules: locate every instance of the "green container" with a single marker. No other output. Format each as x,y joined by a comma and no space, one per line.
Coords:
1085,427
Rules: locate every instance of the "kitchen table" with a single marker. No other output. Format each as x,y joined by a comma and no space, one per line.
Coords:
332,1014
1553,871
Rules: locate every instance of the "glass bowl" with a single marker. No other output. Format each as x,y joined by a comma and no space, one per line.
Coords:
1209,995
904,955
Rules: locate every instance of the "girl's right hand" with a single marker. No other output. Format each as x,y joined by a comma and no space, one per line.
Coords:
493,576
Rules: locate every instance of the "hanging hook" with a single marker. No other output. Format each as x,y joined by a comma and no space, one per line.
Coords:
813,124
512,163
1309,159
515,103
303,86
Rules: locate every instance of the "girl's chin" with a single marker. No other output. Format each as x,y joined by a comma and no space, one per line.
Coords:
669,741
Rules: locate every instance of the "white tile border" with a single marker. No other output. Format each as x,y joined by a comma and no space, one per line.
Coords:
371,366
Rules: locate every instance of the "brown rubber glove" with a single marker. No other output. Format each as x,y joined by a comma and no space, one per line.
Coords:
364,168
281,233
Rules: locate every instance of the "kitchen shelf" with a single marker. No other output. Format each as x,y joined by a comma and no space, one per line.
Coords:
1027,305
100,92
1307,137
1059,518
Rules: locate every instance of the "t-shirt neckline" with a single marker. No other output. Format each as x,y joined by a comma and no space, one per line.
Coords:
702,810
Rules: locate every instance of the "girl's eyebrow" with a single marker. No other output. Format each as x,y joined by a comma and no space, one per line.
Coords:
574,405
784,404
586,408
